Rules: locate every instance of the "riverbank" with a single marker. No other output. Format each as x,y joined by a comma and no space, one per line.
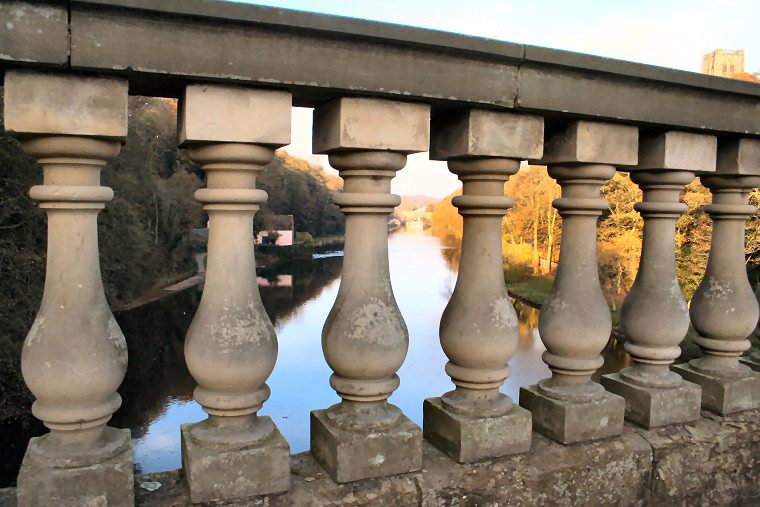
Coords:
533,290
329,243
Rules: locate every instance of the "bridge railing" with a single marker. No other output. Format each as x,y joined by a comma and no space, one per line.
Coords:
380,92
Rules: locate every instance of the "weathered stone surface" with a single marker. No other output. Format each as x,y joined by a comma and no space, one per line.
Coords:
223,473
677,150
591,142
234,114
8,496
568,422
106,483
265,46
712,461
40,103
749,361
581,84
724,395
317,56
481,133
596,473
34,32
371,124
354,455
739,156
615,471
468,439
656,406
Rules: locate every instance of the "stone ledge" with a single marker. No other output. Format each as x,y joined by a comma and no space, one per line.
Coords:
712,461
604,472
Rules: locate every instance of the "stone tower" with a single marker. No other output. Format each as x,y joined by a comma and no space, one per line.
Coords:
723,62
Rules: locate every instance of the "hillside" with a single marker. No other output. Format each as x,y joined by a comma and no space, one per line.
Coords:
410,202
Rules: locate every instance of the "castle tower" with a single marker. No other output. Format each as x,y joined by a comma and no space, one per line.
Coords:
723,62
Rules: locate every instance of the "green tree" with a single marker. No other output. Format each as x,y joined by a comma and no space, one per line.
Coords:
296,187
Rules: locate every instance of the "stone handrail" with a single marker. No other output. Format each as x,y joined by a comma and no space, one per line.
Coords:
380,93
160,46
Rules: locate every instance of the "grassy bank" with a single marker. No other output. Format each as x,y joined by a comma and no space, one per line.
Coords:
533,289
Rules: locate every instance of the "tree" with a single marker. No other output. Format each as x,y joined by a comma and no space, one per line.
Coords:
619,232
693,231
533,220
296,187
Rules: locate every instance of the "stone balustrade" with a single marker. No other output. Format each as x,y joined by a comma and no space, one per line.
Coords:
380,93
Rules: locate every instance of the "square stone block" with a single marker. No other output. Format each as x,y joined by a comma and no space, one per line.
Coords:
215,473
652,406
568,422
42,103
591,142
482,133
468,439
747,361
677,150
354,455
724,395
354,123
234,114
107,483
739,156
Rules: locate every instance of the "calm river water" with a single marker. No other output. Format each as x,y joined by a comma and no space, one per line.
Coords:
157,391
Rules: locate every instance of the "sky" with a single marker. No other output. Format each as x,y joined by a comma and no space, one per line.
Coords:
668,33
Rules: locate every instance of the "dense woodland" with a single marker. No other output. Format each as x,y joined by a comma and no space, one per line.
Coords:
532,231
145,234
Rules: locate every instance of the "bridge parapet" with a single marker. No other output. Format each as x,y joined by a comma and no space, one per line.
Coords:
381,92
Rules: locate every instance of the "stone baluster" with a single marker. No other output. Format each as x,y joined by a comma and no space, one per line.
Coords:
75,356
479,328
724,310
654,316
575,322
753,359
231,346
365,338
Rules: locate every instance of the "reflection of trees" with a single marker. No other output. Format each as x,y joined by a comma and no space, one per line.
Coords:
156,332
309,280
451,253
615,359
528,318
15,433
155,336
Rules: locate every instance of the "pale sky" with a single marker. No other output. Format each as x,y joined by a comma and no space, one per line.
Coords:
668,33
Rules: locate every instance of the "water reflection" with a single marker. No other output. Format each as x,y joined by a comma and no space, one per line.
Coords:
157,391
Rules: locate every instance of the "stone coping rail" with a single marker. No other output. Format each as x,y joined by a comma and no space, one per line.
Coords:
161,45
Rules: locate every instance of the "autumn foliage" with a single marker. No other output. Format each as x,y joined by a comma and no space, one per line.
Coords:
532,231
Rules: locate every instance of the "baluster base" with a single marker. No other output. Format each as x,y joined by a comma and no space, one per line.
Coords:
354,455
749,361
570,422
652,407
46,481
724,395
468,439
219,472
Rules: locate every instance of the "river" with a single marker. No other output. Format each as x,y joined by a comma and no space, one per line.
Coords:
157,390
